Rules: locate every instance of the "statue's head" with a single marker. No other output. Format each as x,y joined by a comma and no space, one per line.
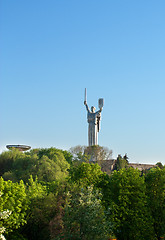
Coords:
93,109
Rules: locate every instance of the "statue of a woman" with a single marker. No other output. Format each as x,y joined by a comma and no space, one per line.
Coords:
93,123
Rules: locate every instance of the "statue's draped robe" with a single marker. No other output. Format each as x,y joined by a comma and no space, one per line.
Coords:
93,126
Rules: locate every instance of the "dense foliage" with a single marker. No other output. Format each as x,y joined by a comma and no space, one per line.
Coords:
85,217
128,204
47,164
13,199
155,183
51,194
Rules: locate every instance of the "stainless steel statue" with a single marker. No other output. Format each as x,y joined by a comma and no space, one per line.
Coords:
94,119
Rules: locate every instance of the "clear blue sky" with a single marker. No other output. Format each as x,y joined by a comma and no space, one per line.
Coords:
51,50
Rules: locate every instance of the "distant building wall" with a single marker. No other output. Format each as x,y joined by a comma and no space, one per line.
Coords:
141,166
109,165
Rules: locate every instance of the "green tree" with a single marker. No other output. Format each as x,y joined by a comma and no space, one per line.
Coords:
13,199
128,205
155,182
47,164
3,215
46,203
121,162
85,173
24,165
84,217
68,156
37,225
51,164
160,165
7,158
42,210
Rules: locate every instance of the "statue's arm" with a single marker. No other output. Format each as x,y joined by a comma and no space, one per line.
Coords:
99,111
87,108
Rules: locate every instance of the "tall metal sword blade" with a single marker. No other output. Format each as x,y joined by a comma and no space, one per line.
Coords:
85,97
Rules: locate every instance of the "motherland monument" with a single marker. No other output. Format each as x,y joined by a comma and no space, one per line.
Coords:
94,119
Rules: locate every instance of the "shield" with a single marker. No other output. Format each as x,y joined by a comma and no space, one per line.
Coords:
101,102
